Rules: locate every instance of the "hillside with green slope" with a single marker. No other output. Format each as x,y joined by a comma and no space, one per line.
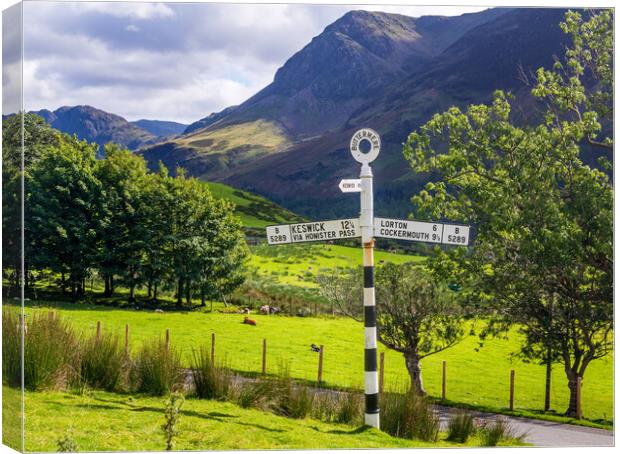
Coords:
255,211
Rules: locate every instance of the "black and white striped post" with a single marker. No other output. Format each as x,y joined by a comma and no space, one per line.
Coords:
371,376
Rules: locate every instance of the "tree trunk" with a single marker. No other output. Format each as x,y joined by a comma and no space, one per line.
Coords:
155,292
203,298
148,291
106,283
132,293
571,412
188,293
548,381
180,293
415,373
63,284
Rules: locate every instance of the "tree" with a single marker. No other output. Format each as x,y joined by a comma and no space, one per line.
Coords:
124,231
64,211
38,136
543,216
415,315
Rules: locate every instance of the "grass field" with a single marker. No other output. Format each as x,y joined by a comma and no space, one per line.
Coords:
101,421
299,264
476,376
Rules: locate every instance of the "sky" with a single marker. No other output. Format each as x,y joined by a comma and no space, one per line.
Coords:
167,61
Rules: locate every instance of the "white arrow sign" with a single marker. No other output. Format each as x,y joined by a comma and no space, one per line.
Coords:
350,185
427,232
313,231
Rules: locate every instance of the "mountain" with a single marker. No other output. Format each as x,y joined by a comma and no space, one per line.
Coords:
289,142
161,128
97,126
209,119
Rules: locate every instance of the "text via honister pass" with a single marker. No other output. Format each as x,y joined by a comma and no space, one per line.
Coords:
313,231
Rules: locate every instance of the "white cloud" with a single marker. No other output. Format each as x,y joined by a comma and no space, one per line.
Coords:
187,60
133,10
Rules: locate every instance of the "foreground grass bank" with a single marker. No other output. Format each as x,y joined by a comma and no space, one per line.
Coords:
476,376
100,421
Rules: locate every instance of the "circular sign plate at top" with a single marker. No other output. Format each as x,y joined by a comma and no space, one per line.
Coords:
372,138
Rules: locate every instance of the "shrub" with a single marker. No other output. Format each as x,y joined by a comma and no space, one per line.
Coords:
171,415
491,434
407,415
102,363
66,444
157,368
460,427
210,381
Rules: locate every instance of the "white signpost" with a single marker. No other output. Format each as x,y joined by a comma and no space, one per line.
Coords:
367,227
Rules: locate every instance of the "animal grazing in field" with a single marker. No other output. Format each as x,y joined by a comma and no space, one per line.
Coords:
315,348
274,310
159,311
245,310
249,321
264,309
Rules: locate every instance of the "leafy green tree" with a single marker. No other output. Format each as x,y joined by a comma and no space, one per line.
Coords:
543,217
416,316
64,206
38,137
205,243
124,233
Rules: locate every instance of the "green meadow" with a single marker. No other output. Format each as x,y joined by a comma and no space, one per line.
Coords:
300,264
476,376
100,421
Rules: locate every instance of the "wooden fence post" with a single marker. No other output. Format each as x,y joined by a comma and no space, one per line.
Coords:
578,398
126,340
167,339
443,381
381,370
212,348
98,330
264,356
320,375
512,389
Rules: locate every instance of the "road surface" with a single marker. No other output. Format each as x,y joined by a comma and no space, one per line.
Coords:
544,433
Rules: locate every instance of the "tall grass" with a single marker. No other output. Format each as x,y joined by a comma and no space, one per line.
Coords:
290,398
407,415
211,381
491,434
50,348
157,368
460,427
338,407
102,362
11,348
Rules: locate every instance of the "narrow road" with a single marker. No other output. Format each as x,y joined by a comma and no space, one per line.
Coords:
544,433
